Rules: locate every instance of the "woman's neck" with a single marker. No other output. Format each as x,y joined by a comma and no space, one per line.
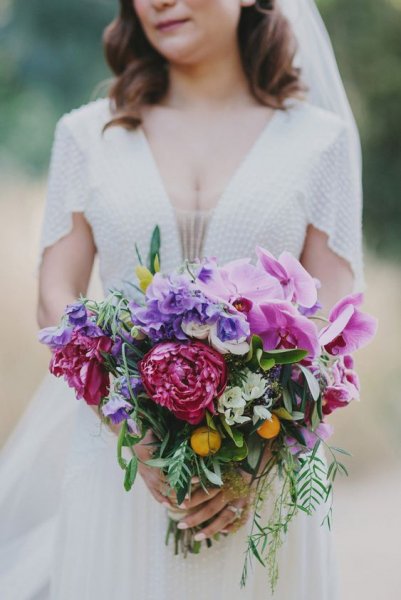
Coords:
220,81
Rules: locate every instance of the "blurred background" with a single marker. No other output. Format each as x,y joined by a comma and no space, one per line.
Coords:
51,60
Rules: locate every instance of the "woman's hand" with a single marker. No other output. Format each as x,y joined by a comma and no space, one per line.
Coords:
214,504
218,505
154,479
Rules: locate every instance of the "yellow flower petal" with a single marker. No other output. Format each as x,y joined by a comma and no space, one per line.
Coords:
144,277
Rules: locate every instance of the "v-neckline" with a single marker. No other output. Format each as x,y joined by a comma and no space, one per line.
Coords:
231,180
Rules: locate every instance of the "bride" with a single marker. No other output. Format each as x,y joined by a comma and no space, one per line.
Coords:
228,126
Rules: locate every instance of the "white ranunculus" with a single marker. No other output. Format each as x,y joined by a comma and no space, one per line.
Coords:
254,386
239,347
232,404
196,330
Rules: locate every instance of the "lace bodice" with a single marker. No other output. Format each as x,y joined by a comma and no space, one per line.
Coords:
297,173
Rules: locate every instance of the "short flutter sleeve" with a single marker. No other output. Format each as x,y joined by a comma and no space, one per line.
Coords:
334,201
67,187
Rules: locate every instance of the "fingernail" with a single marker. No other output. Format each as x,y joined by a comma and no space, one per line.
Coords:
182,526
199,537
182,505
195,480
224,531
166,504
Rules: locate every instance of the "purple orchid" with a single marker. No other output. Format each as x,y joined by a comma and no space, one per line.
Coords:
323,431
280,325
238,282
349,328
297,284
343,387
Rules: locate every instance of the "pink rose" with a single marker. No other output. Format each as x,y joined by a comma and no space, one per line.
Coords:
81,363
186,378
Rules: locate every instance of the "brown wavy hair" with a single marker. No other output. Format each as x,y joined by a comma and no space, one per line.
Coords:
267,48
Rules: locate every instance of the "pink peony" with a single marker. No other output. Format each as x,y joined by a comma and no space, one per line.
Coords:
186,378
80,362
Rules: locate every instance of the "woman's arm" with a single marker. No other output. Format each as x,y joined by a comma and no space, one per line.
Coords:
65,271
333,272
64,275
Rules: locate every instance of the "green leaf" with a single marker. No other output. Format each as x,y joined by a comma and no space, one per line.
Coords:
130,473
154,248
209,420
235,435
284,356
255,449
312,382
164,444
229,452
160,463
282,413
212,477
138,254
120,442
255,551
315,420
287,400
256,355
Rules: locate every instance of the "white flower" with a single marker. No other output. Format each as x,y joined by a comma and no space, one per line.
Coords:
260,412
239,347
254,386
196,330
232,404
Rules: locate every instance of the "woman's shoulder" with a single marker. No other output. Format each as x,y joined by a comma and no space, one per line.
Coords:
318,126
85,123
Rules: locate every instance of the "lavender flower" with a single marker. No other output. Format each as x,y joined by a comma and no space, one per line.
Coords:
55,337
76,313
116,409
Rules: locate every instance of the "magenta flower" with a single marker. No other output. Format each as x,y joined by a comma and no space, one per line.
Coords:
80,362
280,325
297,284
186,378
349,328
323,431
344,386
239,283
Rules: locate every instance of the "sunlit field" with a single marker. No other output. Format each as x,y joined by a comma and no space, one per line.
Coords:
367,518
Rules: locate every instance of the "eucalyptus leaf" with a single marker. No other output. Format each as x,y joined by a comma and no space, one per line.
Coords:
284,356
255,449
312,382
130,473
209,420
160,463
212,477
235,435
154,249
287,400
282,413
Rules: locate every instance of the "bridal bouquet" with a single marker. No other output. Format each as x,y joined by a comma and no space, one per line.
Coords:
232,370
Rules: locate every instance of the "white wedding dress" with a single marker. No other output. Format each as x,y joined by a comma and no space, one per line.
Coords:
69,531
